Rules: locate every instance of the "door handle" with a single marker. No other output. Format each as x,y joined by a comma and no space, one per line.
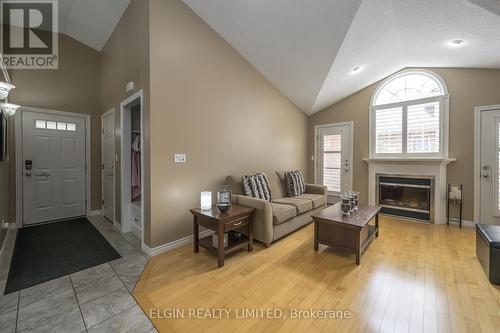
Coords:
485,175
42,174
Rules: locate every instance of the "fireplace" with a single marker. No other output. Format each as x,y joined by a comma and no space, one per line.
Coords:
406,196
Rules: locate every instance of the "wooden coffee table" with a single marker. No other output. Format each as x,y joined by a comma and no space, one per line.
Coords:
236,217
350,233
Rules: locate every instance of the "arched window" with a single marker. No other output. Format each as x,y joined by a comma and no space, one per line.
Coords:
408,116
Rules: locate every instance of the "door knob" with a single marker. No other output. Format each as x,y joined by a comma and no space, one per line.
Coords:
485,175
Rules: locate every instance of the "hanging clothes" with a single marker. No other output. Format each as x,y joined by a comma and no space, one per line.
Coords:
136,167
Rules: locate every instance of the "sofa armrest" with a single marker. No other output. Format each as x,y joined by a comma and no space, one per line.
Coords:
263,216
316,189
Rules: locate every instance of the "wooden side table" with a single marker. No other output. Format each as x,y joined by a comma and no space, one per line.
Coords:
236,217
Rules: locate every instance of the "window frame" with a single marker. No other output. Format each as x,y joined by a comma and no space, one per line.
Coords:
443,101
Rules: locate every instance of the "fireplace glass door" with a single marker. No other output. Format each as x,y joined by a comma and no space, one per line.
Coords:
405,197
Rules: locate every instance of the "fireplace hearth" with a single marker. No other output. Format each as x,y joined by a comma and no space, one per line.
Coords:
406,196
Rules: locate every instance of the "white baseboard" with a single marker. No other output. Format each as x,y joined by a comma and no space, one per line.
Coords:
151,252
95,212
465,223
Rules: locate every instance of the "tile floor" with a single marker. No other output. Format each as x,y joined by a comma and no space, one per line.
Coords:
97,299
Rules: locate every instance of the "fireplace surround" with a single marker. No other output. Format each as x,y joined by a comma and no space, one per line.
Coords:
406,196
434,168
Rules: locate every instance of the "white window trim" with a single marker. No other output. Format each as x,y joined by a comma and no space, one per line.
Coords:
444,102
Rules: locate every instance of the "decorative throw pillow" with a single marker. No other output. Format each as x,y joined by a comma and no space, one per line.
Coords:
295,184
257,186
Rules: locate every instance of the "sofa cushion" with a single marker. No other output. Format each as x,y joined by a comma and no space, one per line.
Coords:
235,184
277,189
318,200
283,213
295,183
302,205
257,186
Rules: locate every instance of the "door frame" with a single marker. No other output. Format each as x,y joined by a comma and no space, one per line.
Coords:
350,124
478,111
19,158
106,114
125,168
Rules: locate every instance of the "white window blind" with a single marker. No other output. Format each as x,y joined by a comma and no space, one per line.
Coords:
332,147
407,116
389,131
423,128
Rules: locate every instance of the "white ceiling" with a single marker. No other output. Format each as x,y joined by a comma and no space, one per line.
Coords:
307,49
90,21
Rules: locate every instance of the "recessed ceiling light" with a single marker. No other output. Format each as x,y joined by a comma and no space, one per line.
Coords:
457,42
357,69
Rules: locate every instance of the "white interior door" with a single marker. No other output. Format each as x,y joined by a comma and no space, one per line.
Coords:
490,159
334,158
108,165
53,167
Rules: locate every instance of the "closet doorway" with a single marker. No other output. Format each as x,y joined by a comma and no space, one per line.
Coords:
132,161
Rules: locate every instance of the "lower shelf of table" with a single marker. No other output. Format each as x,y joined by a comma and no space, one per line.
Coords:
372,230
233,244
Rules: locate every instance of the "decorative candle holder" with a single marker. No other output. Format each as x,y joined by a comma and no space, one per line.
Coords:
345,204
355,195
224,199
206,200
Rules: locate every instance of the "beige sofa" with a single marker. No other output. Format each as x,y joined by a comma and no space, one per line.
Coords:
284,214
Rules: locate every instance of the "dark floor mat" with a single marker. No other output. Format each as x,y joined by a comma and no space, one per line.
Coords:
49,251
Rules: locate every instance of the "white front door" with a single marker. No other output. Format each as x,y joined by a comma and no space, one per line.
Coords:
108,165
53,167
334,158
489,164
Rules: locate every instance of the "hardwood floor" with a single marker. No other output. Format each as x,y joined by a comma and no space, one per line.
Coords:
413,278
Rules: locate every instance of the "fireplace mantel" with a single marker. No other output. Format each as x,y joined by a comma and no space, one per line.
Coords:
434,167
420,160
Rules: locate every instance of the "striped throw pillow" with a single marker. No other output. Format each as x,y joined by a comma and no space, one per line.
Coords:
257,186
295,184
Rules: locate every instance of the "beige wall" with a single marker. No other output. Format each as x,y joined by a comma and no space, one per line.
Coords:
124,58
468,88
208,102
92,82
74,87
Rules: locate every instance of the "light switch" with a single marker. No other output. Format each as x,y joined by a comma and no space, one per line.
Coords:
180,158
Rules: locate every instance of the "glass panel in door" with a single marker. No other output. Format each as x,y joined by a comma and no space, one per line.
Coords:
333,165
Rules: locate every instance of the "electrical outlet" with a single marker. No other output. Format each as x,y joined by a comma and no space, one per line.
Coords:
180,158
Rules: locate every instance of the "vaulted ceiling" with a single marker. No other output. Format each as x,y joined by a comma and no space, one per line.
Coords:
308,49
90,21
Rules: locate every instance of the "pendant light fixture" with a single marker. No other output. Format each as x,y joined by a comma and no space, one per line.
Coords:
9,109
5,88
